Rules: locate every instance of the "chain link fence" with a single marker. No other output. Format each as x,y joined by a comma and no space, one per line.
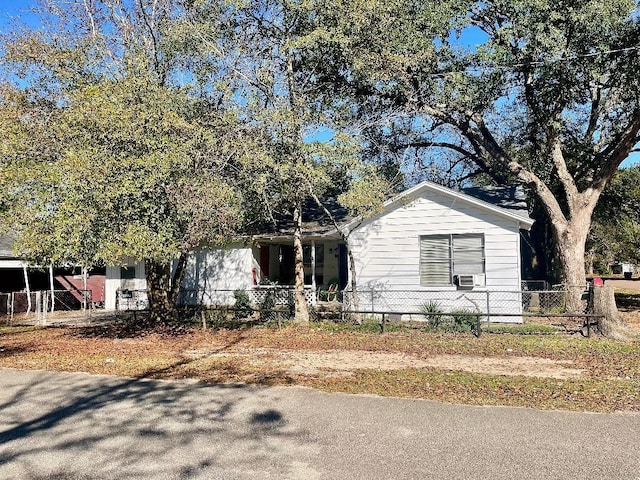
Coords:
262,304
268,303
411,305
221,306
45,305
281,295
496,306
398,305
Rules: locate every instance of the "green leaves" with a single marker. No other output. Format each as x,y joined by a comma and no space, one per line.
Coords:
126,168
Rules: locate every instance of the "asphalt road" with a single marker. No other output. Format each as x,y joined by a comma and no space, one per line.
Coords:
76,426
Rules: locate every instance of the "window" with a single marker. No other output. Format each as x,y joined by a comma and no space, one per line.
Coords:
443,256
128,273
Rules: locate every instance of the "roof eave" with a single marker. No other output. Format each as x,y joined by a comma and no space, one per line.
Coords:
426,185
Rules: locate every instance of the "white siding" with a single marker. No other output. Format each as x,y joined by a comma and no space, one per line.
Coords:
387,248
211,276
113,282
206,271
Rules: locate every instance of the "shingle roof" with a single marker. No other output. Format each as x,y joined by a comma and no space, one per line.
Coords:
510,197
314,220
511,201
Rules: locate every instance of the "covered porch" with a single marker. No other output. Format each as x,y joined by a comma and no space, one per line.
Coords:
325,265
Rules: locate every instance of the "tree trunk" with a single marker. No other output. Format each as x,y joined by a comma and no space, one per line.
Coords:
300,301
178,276
158,291
352,262
357,318
571,241
571,250
604,303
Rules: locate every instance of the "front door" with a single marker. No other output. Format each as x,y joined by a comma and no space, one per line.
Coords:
287,264
343,266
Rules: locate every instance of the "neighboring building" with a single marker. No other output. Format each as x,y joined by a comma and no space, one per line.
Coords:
11,267
623,268
16,275
429,243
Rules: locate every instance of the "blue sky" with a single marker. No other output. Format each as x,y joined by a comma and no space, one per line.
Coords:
13,8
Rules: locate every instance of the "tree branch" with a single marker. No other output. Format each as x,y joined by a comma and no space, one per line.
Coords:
154,40
619,151
596,97
428,144
567,180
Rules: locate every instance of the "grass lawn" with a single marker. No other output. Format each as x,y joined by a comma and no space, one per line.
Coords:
546,370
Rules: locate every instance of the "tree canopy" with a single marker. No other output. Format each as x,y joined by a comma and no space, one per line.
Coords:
545,94
107,155
615,232
157,127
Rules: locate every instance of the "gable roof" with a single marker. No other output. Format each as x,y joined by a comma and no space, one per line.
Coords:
507,202
516,213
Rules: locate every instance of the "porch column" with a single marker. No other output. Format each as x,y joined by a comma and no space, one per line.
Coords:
313,267
26,286
53,296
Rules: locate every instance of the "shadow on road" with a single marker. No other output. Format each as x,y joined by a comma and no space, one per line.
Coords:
59,425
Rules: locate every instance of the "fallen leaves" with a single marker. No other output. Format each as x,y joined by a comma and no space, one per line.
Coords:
609,381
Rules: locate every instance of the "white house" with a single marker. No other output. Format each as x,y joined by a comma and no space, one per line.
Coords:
429,244
435,245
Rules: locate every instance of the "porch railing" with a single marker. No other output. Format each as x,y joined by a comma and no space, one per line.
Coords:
280,295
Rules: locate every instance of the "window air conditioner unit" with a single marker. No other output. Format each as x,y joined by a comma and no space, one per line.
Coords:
469,281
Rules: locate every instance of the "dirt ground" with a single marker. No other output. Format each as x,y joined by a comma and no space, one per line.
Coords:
621,284
345,362
341,363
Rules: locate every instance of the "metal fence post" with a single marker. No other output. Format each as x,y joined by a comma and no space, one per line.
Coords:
488,310
372,309
38,306
45,306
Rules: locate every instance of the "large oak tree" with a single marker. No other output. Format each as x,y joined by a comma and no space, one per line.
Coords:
541,92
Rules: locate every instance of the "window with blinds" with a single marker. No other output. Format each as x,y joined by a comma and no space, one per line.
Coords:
443,256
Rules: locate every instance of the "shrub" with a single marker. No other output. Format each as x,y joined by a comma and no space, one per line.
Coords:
268,306
464,320
243,307
433,313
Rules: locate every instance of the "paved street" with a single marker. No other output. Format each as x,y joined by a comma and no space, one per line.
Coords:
76,426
